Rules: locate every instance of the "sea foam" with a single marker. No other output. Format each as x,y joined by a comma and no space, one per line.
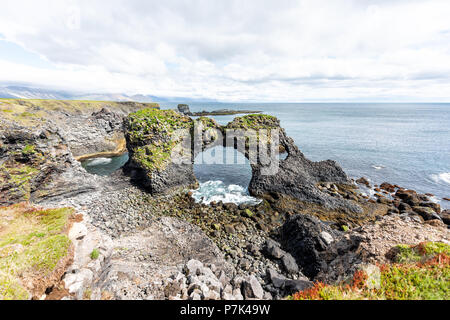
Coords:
441,177
217,191
98,161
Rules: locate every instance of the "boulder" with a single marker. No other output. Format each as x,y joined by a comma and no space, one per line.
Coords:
445,216
289,264
252,288
302,237
272,249
426,213
363,181
184,109
408,196
193,267
387,186
435,206
293,286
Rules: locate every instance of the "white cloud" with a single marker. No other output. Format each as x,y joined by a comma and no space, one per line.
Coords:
236,50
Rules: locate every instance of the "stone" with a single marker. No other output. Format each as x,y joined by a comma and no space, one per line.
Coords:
172,289
212,295
289,264
184,108
276,279
363,181
77,282
301,237
196,295
387,186
293,286
193,267
253,249
229,229
404,206
426,213
237,294
435,206
408,196
328,238
272,249
445,216
436,223
252,288
78,231
248,213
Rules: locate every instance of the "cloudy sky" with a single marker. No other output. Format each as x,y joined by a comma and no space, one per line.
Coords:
280,50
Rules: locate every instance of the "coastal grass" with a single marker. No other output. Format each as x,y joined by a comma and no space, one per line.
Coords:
29,112
32,242
420,272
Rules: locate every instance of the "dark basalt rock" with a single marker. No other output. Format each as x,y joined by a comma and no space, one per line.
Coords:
305,238
184,109
426,213
445,216
151,140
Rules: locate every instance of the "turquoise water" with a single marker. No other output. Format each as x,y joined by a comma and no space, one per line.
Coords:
404,144
104,166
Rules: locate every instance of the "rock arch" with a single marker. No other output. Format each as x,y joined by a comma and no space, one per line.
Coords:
164,143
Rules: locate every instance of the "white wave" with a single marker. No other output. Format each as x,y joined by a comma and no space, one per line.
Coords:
378,167
441,177
217,191
98,161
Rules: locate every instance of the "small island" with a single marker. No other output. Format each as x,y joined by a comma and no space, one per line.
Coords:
184,109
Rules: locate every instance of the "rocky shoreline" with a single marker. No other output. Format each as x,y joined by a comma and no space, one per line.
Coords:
136,244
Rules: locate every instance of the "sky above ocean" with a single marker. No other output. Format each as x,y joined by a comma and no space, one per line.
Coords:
279,51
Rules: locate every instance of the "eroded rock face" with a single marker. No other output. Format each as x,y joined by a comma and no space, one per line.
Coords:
151,138
36,164
155,145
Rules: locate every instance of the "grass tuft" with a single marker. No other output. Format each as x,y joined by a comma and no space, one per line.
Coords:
420,272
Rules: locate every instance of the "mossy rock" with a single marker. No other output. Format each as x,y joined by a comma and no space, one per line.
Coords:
151,136
255,122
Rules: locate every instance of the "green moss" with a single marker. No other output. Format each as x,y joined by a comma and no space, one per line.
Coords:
28,150
153,157
255,122
95,254
20,176
26,114
33,243
207,122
